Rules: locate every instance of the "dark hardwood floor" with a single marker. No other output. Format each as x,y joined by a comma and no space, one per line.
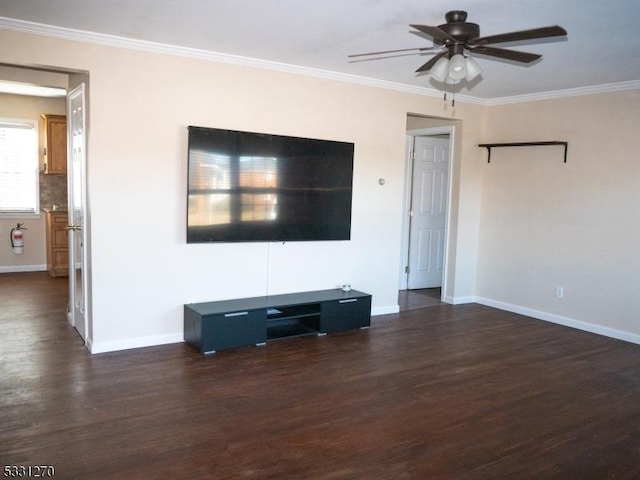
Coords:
421,298
446,392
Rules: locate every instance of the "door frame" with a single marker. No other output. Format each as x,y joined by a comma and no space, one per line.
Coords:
73,312
406,223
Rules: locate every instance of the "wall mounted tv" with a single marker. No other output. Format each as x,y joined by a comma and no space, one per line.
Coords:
256,187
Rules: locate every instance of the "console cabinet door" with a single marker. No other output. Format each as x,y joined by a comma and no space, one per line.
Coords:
346,314
233,329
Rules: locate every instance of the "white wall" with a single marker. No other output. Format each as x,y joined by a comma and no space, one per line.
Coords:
140,106
546,224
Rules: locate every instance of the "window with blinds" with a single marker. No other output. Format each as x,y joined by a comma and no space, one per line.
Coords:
18,166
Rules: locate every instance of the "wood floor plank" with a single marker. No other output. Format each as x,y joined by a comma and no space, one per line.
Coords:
447,392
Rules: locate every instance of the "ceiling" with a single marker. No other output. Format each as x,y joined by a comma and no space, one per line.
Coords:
602,46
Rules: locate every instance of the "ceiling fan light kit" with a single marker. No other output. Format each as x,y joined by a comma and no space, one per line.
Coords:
455,70
452,39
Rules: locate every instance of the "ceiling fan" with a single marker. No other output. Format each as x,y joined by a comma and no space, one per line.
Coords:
456,37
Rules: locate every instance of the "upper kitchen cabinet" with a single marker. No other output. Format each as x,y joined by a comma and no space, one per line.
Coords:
55,143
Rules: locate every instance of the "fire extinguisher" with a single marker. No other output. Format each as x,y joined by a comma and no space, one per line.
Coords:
17,238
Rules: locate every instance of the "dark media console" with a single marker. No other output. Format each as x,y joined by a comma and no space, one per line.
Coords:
213,326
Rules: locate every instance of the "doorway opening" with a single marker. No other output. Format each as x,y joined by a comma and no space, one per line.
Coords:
425,225
69,181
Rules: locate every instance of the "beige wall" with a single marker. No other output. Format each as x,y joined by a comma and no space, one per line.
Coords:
34,256
546,224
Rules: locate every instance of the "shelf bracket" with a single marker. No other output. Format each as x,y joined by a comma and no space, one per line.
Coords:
489,146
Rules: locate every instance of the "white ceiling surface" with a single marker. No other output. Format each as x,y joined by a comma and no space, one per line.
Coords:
602,46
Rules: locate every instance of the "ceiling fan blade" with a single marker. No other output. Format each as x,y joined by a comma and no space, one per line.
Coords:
534,33
431,63
514,55
423,49
435,33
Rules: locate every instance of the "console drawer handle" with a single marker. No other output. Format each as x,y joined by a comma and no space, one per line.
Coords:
236,314
348,300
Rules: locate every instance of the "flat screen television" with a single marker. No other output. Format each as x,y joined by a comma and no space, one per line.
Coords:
256,187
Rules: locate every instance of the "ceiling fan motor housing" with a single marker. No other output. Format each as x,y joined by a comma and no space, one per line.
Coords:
458,27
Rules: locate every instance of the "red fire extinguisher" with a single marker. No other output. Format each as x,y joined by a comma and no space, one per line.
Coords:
17,238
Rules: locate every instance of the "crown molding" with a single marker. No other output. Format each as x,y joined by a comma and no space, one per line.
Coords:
569,92
207,55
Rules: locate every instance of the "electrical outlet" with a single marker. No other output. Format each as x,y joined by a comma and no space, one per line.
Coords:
559,292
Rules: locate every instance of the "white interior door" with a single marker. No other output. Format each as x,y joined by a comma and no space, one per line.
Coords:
76,127
428,212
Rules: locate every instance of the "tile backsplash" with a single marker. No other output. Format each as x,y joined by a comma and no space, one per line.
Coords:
53,190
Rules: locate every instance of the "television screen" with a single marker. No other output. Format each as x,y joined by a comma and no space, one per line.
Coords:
249,187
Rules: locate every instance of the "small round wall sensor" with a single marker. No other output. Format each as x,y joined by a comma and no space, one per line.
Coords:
381,181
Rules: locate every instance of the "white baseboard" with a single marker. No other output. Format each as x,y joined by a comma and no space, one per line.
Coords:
138,342
23,268
560,320
386,310
458,300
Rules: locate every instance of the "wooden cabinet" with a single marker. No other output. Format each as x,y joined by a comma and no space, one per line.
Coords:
57,243
55,143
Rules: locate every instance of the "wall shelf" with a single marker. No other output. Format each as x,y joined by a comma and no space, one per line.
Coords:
489,146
